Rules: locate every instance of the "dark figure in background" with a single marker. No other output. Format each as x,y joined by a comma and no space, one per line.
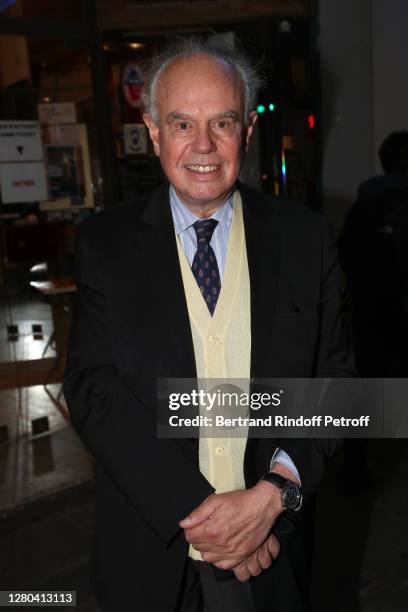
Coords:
373,250
374,254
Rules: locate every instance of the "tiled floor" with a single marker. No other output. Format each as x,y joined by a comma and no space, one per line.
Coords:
24,310
45,507
18,408
32,466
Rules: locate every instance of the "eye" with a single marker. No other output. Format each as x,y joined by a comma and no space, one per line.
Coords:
223,125
183,125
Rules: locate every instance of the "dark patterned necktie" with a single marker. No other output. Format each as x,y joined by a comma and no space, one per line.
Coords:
205,267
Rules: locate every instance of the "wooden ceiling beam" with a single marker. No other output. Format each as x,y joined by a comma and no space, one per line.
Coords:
118,14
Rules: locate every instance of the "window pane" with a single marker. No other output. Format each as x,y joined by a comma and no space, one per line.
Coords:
57,11
49,178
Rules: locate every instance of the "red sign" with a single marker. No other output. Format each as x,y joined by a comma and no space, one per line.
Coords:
132,85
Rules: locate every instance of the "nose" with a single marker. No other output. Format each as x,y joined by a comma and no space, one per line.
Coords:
204,141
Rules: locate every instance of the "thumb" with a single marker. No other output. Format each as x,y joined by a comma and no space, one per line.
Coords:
199,514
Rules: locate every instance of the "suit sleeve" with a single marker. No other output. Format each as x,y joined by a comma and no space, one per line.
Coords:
335,360
154,475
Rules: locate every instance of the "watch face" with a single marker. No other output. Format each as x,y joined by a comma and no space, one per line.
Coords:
291,496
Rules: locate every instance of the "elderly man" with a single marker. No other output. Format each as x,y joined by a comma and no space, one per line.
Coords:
203,278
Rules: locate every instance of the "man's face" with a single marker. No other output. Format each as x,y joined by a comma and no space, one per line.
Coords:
200,135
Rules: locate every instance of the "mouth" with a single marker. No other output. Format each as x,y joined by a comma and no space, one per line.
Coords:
203,171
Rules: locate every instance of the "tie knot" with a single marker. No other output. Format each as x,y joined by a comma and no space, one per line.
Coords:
204,230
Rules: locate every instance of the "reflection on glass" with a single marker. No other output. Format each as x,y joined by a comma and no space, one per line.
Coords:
37,243
57,11
5,4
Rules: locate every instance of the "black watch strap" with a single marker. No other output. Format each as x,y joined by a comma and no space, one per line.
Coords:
275,479
291,493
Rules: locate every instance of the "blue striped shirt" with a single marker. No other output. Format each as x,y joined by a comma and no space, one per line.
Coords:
183,220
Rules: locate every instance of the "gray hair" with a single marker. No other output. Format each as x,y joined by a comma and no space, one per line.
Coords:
195,46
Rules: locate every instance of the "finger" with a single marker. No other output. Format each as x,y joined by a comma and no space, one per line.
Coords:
227,564
200,514
212,549
197,535
253,566
206,548
213,540
206,531
265,558
273,546
241,572
213,557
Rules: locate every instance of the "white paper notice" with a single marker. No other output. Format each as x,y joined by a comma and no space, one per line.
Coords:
135,137
23,183
20,141
61,112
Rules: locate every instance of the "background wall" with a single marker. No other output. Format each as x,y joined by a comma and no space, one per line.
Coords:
364,59
390,74
347,109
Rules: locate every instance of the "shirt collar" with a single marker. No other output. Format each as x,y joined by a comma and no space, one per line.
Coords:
183,217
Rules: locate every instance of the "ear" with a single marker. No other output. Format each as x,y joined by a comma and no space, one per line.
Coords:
153,131
253,116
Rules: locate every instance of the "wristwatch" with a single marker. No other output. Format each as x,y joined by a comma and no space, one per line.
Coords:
291,493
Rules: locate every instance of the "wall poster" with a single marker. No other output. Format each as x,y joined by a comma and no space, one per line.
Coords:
63,173
68,167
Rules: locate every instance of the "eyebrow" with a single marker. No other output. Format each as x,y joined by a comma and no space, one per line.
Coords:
230,114
176,116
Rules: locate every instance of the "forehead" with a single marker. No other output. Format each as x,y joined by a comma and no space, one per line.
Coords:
198,84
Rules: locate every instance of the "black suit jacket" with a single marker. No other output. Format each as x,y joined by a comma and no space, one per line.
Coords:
130,325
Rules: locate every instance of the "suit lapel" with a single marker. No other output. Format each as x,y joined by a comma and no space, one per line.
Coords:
263,242
160,251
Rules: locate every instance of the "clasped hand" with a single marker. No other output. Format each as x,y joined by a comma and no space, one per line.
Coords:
232,530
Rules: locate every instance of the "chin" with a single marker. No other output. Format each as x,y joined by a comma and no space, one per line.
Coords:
209,192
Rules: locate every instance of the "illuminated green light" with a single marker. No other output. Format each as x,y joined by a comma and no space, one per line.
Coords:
283,165
260,108
271,107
